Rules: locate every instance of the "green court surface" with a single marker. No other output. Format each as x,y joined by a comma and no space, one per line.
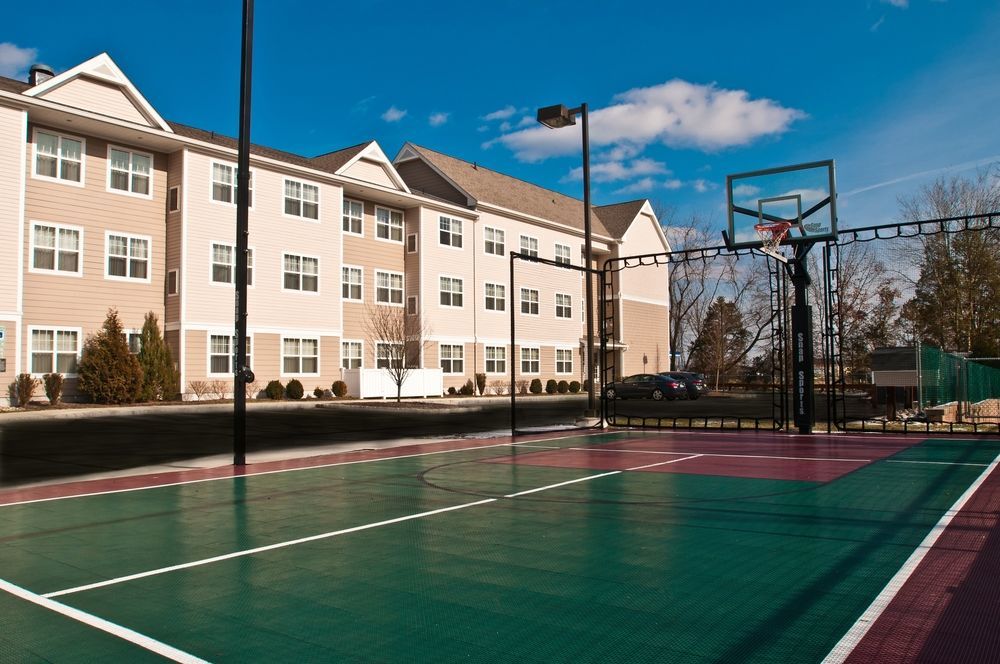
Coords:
432,559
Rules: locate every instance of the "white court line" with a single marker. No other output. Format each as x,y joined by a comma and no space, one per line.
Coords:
664,463
286,470
114,629
321,536
853,637
939,463
734,456
543,447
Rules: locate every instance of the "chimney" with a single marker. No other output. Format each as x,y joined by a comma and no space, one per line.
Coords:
39,74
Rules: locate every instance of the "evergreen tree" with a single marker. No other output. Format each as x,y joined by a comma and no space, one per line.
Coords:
108,372
722,340
159,378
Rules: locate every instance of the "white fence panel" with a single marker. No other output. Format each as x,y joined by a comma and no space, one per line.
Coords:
376,383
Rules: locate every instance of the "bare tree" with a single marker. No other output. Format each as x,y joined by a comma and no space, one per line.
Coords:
397,338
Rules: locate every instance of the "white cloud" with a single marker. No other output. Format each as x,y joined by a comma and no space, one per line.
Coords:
394,114
526,121
701,186
747,190
649,184
676,113
505,126
611,171
673,184
504,113
14,60
438,119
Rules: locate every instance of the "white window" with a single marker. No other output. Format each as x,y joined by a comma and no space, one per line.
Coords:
351,283
530,360
563,254
564,305
389,288
301,199
564,361
529,245
172,283
496,297
58,157
222,353
173,199
134,340
301,273
496,359
224,184
452,359
300,356
451,292
529,301
56,249
224,264
128,257
451,232
388,355
388,224
354,217
350,354
131,172
493,241
54,351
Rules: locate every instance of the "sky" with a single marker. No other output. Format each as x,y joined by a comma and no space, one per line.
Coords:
897,92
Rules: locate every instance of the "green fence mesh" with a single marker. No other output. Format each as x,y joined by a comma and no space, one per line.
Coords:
973,383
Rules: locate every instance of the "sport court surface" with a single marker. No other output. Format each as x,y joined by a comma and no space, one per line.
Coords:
611,547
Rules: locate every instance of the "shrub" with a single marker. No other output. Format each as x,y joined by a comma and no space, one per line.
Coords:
481,383
53,387
452,390
339,388
536,386
294,389
251,389
275,390
199,387
159,378
218,389
108,372
586,385
563,387
551,386
522,385
499,387
574,386
468,389
318,392
24,388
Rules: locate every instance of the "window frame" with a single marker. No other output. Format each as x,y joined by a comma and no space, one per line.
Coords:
177,283
131,173
55,270
415,241
567,308
451,232
361,353
174,193
48,178
55,329
300,337
415,309
302,201
536,302
502,243
563,260
388,360
402,289
361,283
529,251
232,265
344,216
537,350
128,257
451,359
497,371
230,355
402,225
451,293
301,274
569,371
486,297
233,167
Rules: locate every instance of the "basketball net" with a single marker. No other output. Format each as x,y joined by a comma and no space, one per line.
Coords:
771,233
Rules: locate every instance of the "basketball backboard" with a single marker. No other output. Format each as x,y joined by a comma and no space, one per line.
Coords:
804,195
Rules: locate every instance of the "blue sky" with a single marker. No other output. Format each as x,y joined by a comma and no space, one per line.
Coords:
897,92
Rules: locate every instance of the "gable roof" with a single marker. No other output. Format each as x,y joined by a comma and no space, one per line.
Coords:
12,85
334,161
488,186
617,217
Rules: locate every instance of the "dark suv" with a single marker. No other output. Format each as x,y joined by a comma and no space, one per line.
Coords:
695,382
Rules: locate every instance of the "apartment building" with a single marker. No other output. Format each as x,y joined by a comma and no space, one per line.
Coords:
103,203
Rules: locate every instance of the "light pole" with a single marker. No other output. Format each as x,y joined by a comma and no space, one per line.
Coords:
556,117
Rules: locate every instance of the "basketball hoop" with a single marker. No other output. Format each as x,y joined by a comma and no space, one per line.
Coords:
771,233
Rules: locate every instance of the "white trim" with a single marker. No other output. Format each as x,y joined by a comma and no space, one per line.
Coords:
495,229
520,359
230,334
538,301
361,269
131,152
571,350
128,257
87,69
182,333
54,271
123,633
211,183
645,300
300,290
342,356
177,282
604,242
373,152
520,245
345,199
451,234
555,253
55,350
555,306
506,299
178,190
302,201
211,265
264,329
506,359
57,179
440,359
402,289
22,187
318,338
461,282
416,243
409,147
402,225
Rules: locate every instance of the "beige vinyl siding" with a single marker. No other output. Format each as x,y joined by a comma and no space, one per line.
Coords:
195,358
173,340
411,226
12,142
174,236
421,178
53,299
98,97
369,171
649,282
645,332
8,354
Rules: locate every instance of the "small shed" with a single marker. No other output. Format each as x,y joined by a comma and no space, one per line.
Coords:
894,374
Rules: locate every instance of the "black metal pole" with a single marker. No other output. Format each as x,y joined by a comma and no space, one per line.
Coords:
588,256
513,375
240,374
